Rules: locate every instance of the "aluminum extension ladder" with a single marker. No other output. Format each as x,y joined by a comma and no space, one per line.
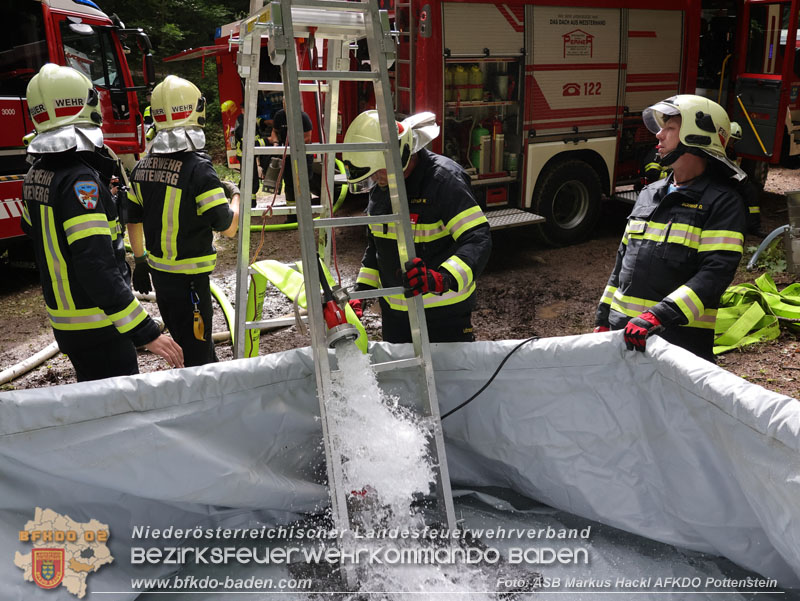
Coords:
339,24
404,69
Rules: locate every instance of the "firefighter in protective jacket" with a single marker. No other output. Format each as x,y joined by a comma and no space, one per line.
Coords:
451,234
77,232
684,237
177,202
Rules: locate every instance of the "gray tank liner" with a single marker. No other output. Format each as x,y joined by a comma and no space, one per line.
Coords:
660,445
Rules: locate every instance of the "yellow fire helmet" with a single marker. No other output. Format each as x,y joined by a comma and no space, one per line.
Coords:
229,106
736,131
64,107
59,96
177,102
179,114
363,164
705,127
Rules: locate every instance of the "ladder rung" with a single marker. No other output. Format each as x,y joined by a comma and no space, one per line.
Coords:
277,86
340,75
258,150
399,364
276,322
360,7
376,292
403,89
325,148
283,210
358,220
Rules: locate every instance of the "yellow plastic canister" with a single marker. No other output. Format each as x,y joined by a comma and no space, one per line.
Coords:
475,83
449,83
461,83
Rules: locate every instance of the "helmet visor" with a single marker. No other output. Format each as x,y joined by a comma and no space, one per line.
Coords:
364,185
655,116
355,173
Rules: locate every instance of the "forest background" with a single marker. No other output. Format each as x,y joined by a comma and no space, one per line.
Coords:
174,26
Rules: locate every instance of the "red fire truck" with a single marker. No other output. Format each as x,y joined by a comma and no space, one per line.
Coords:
68,32
751,56
540,101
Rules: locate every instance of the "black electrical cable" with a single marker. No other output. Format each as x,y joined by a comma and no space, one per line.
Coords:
490,380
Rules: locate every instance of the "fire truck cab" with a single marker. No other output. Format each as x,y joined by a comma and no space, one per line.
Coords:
67,32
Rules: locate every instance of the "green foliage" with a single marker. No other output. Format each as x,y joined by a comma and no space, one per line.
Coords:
225,172
772,260
175,25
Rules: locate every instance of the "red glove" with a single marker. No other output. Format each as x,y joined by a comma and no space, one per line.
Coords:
639,328
419,279
355,304
599,329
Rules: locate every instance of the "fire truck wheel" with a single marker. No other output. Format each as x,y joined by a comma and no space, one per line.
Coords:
568,196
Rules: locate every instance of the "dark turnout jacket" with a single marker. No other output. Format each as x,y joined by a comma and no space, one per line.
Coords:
451,235
679,253
77,233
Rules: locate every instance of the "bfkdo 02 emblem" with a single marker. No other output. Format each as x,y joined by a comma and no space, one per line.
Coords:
48,567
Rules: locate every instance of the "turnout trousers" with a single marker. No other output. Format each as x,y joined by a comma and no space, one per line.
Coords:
175,294
94,359
396,327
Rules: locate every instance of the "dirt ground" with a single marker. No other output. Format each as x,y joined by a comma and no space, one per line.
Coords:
526,290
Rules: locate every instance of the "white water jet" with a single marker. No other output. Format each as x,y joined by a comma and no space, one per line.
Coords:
384,450
383,445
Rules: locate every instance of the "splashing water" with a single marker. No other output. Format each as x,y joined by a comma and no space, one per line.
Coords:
382,444
384,451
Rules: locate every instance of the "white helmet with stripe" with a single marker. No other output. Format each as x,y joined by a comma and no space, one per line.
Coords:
179,114
65,110
705,129
413,133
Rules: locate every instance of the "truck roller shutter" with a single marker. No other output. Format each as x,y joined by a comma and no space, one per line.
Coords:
655,39
573,71
469,28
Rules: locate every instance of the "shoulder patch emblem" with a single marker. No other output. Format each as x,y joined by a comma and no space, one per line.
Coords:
87,193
